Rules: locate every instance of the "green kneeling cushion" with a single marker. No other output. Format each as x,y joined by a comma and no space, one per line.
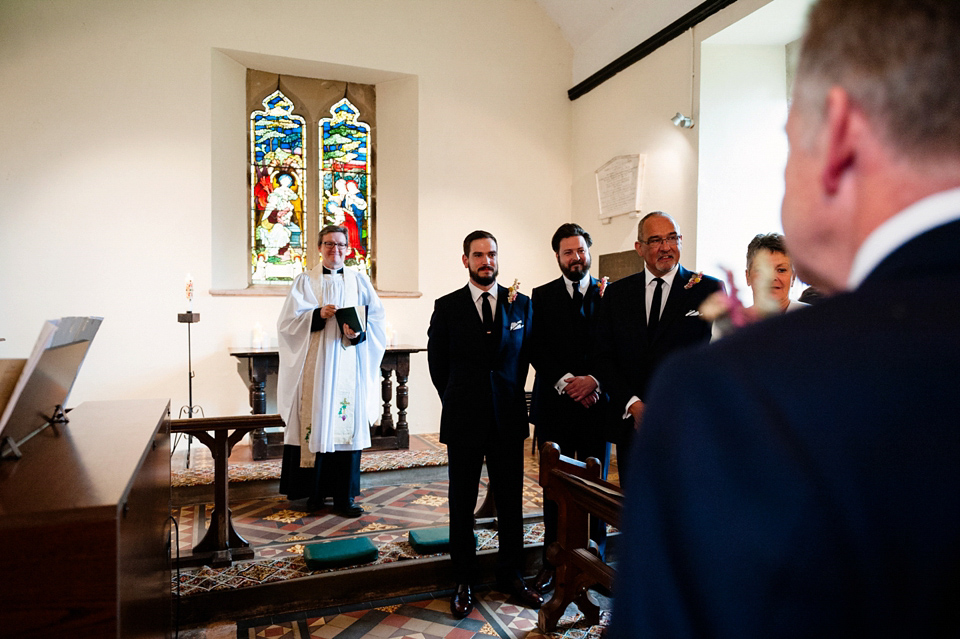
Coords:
340,553
430,541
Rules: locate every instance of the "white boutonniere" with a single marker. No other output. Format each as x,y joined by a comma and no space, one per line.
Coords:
602,285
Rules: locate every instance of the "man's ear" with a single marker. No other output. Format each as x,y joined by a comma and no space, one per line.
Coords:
842,137
465,261
749,278
636,247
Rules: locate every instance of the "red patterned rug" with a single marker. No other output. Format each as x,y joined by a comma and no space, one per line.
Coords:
429,453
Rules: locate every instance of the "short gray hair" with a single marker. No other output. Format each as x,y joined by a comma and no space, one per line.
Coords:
897,59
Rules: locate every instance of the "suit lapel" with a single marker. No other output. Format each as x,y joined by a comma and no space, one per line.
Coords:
504,309
641,312
590,297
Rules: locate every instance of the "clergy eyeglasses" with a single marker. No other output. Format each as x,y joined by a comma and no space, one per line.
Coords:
670,240
339,245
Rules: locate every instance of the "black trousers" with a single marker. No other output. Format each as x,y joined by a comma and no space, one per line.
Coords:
334,475
505,471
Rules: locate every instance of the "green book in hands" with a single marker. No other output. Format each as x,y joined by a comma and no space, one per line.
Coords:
353,316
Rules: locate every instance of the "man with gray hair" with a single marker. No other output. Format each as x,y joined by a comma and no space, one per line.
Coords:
801,477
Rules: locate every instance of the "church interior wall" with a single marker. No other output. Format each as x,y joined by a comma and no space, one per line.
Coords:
114,109
743,152
734,99
628,114
113,159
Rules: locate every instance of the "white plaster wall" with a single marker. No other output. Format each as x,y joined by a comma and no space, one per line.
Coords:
110,154
743,151
631,114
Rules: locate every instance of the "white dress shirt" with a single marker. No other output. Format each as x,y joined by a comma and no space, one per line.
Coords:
921,216
477,294
652,286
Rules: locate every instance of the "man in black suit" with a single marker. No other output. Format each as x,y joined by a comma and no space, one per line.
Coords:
801,477
568,405
478,355
643,318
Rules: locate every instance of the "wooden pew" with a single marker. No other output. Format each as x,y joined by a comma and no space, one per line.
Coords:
579,491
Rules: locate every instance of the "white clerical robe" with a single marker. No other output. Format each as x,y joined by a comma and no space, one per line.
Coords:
328,395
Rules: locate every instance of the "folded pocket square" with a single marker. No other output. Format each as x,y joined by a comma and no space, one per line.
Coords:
693,313
515,326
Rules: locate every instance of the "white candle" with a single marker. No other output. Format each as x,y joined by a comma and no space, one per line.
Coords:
257,337
391,335
189,293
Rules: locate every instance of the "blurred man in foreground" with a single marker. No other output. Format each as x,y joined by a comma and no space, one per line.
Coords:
801,477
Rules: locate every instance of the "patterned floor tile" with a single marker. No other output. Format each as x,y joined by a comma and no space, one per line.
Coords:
279,529
430,618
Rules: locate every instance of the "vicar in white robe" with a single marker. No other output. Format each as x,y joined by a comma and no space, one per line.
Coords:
328,383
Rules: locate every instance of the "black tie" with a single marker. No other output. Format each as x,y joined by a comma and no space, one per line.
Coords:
655,308
487,314
577,297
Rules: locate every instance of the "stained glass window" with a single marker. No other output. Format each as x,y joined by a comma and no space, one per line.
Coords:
345,178
278,190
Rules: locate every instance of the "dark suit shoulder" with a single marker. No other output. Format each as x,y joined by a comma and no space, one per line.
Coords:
625,285
550,292
458,294
551,286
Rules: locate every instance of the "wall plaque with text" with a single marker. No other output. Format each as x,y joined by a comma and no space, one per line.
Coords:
619,185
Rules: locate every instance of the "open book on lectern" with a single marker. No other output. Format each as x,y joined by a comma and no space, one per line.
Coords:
34,391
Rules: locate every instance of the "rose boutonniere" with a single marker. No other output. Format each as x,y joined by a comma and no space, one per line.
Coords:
512,291
694,280
602,285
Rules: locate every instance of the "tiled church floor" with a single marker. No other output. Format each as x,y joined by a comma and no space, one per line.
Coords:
418,617
426,618
278,528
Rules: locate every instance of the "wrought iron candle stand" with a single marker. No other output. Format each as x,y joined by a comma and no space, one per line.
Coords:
189,410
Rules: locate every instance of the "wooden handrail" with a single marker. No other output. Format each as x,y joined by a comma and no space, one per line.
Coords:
203,424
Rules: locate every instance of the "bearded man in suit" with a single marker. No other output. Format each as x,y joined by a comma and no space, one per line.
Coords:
643,318
478,353
801,477
567,405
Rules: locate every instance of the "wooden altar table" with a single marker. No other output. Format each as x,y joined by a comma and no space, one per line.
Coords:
387,435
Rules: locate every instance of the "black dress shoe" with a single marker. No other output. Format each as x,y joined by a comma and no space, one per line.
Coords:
546,580
461,603
349,510
518,589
